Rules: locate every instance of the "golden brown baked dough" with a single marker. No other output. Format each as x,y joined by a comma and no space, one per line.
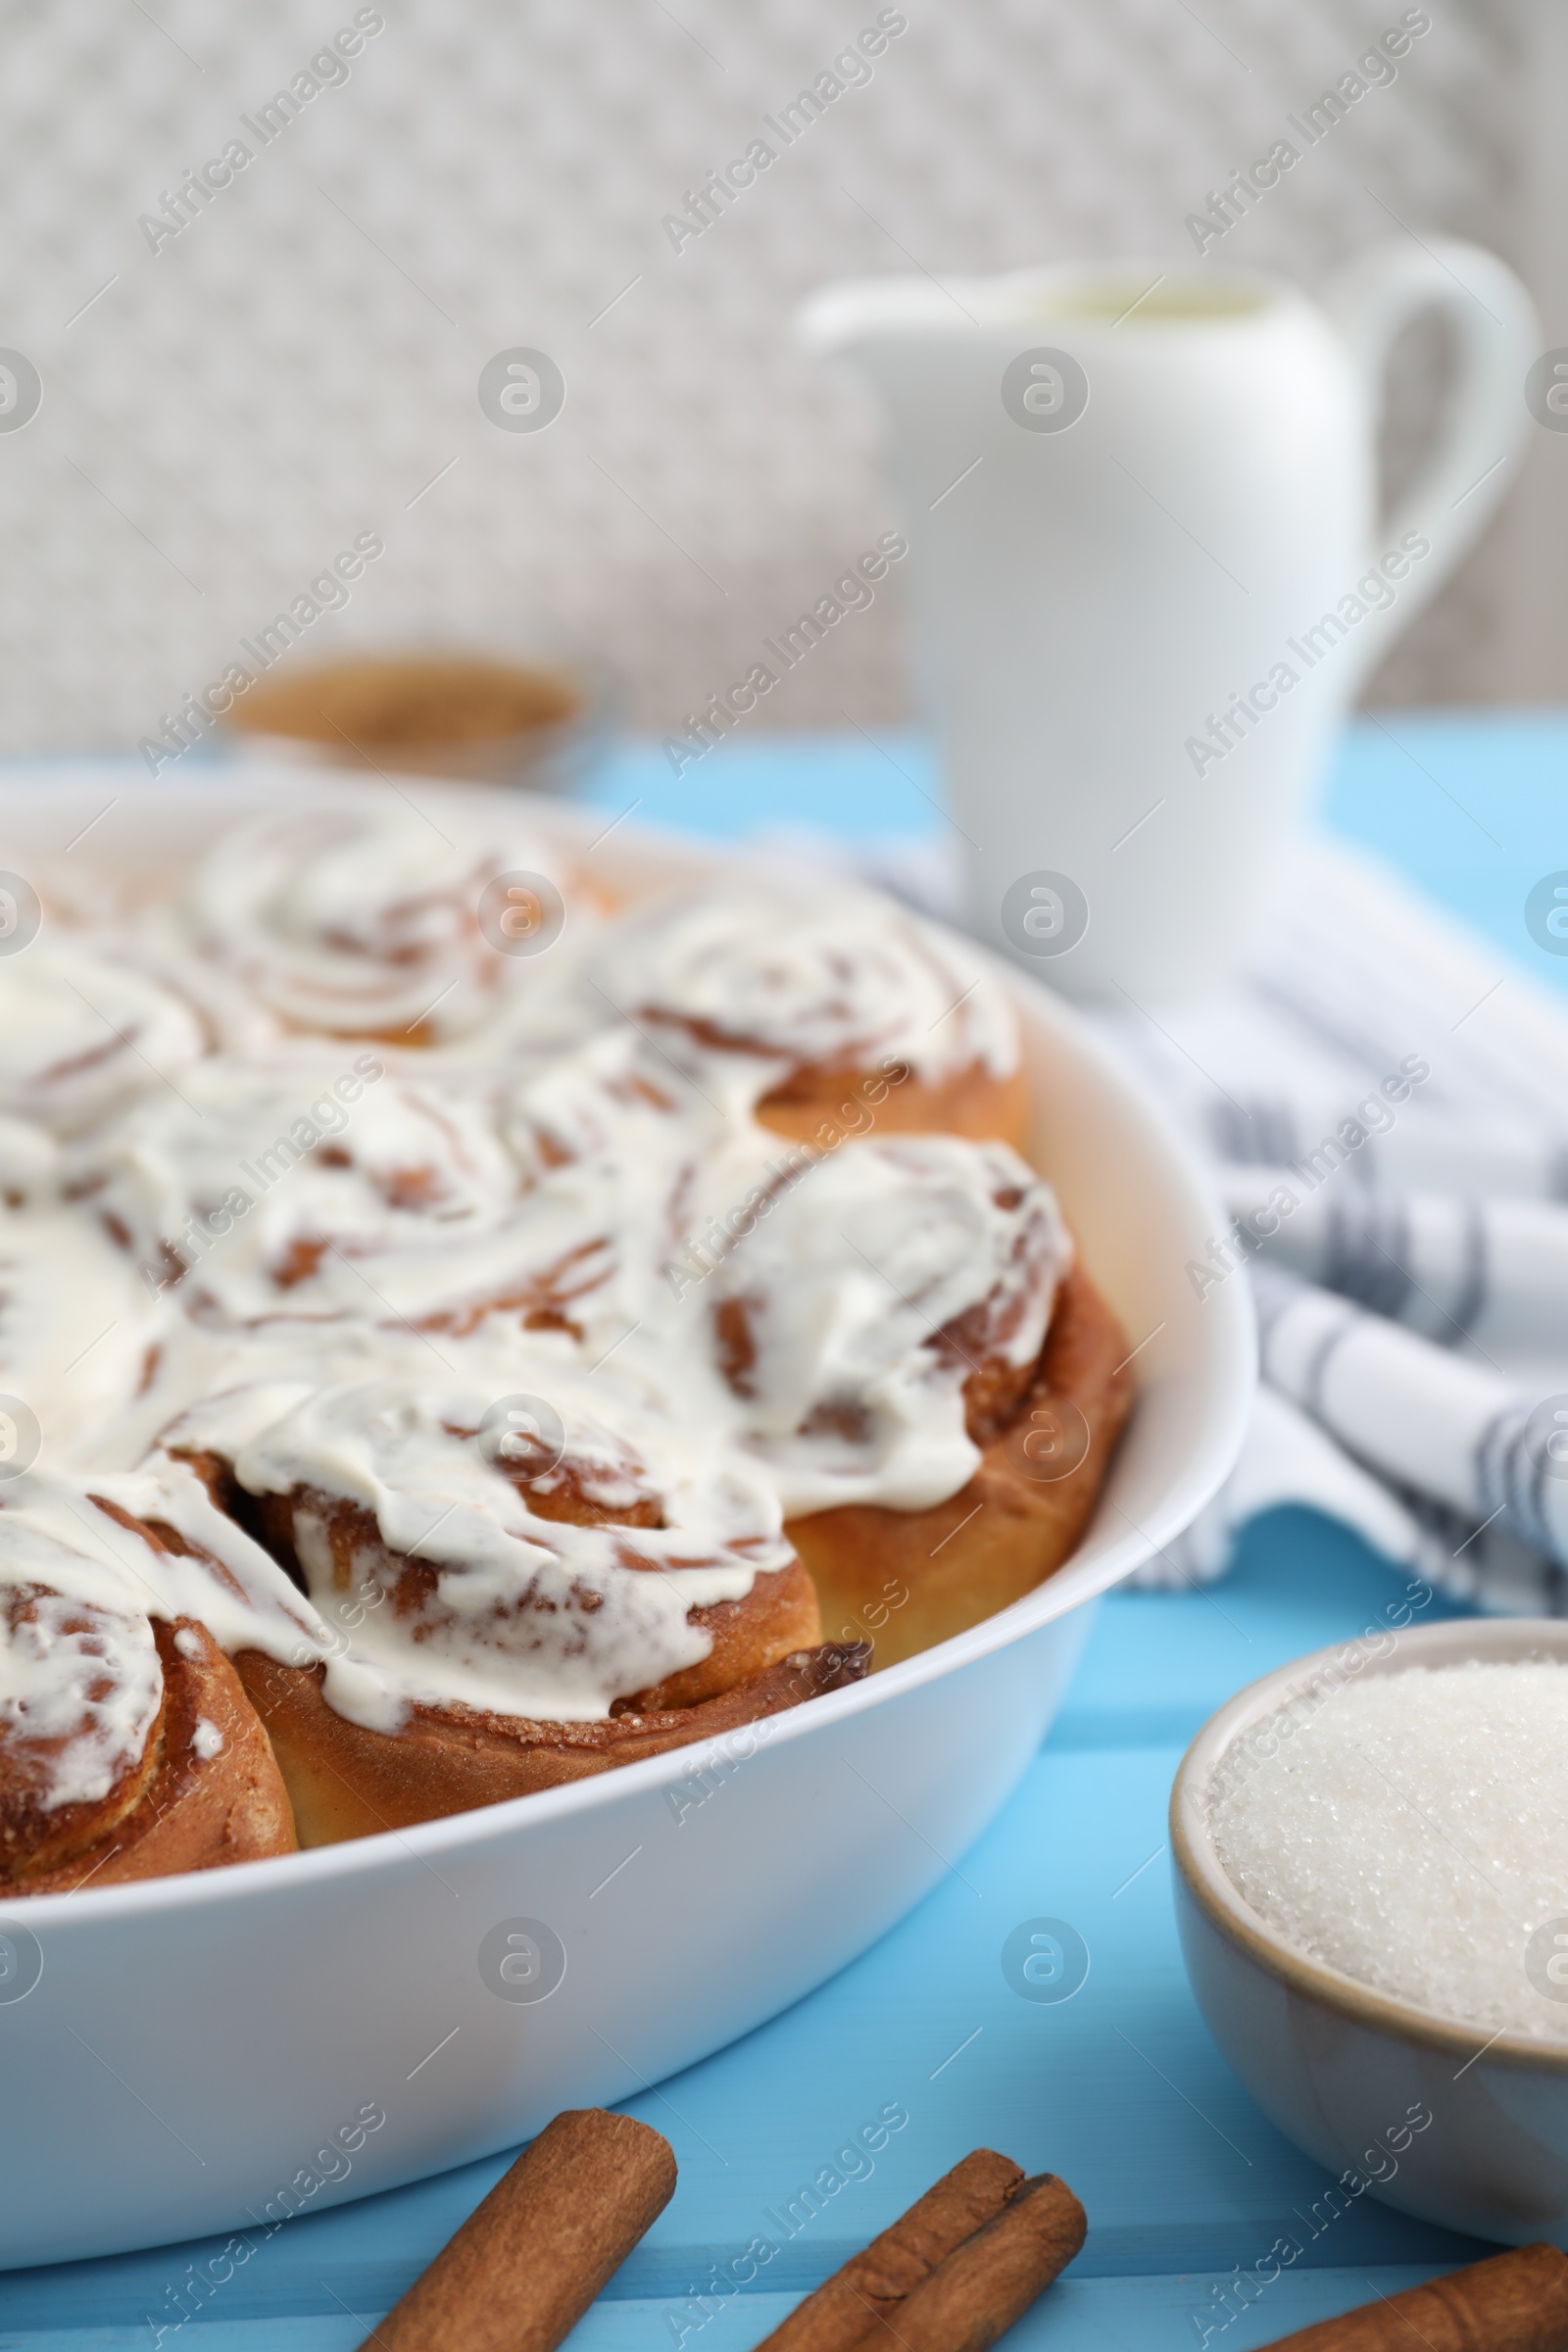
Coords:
973,1103
859,1015
909,1579
779,1615
176,1808
346,1782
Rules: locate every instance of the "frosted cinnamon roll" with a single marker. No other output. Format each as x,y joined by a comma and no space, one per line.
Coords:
369,921
908,1579
899,1290
832,1008
890,1334
127,1747
83,1033
523,1590
320,1183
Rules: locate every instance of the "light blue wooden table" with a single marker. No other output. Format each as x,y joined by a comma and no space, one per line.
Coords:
1119,2089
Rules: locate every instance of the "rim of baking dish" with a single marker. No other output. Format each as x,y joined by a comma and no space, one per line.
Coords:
1485,1640
1230,1378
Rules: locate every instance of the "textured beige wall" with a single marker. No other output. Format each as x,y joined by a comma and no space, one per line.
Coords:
300,363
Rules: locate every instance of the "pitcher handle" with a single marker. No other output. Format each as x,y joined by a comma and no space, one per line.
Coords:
1497,335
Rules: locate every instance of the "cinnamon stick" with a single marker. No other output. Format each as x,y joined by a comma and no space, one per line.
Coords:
953,2274
848,2309
1515,2302
992,2279
529,2259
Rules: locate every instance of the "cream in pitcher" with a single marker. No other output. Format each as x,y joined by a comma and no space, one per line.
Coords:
1147,573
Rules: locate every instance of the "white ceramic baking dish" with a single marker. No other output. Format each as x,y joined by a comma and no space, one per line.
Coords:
200,2053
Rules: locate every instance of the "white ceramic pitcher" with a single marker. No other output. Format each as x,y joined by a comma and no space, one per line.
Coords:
1147,573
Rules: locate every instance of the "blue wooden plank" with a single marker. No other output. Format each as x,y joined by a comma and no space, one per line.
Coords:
1467,804
1160,1663
1078,2315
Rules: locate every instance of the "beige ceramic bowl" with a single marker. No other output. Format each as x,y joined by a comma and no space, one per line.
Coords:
1347,2072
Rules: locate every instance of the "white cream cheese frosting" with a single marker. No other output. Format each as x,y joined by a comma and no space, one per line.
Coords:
326,1258
862,1305
825,978
569,1616
80,1680
83,1032
369,922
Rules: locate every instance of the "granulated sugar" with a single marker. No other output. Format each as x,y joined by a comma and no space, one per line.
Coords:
1412,1830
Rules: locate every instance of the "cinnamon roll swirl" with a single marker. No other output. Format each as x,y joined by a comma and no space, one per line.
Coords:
900,1290
306,1187
127,1747
366,921
516,1590
817,1000
907,1580
934,1388
83,1032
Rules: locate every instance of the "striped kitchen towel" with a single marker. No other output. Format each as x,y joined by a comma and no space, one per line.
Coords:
1383,1099
1384,1103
